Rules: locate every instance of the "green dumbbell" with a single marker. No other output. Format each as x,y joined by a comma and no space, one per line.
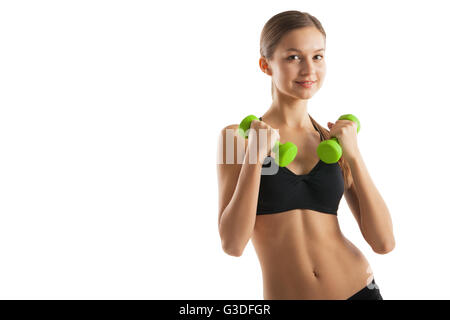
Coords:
287,151
329,151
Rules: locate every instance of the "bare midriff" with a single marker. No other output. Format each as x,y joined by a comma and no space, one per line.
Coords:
304,255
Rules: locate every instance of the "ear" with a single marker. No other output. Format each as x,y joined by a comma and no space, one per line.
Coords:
264,65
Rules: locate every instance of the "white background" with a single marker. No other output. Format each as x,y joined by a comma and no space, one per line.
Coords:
109,117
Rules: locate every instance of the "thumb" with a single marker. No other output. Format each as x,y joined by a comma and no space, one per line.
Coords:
330,125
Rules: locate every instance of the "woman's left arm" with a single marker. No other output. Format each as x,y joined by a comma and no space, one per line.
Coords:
375,219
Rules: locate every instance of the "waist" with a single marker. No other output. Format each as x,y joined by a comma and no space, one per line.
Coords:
313,271
340,286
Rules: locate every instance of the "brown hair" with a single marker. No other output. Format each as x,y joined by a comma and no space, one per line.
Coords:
273,31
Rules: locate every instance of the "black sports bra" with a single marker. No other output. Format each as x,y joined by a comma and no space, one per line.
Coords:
321,189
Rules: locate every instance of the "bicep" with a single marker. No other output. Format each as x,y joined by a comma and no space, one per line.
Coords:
228,173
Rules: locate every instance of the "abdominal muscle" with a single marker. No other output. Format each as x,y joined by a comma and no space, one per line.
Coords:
304,255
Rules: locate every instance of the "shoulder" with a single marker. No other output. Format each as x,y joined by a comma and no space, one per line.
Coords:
231,143
231,127
232,130
229,130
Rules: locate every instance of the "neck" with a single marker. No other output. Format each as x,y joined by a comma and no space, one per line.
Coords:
289,113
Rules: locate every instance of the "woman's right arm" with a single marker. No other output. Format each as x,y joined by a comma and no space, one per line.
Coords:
238,194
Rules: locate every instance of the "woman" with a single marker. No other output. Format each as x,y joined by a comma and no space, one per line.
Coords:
295,230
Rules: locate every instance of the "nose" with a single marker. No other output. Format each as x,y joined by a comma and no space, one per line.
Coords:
307,67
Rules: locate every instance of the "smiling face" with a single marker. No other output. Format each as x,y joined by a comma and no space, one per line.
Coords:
288,66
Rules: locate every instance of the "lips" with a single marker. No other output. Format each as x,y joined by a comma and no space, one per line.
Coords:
305,82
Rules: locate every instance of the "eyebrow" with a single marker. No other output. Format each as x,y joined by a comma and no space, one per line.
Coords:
298,50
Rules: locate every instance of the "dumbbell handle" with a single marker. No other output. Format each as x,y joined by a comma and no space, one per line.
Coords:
286,151
330,151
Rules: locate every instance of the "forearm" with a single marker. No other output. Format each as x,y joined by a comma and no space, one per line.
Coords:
238,218
375,219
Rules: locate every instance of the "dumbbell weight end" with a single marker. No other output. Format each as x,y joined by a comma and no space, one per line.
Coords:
285,152
330,151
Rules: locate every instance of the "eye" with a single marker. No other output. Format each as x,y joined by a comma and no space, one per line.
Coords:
317,55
